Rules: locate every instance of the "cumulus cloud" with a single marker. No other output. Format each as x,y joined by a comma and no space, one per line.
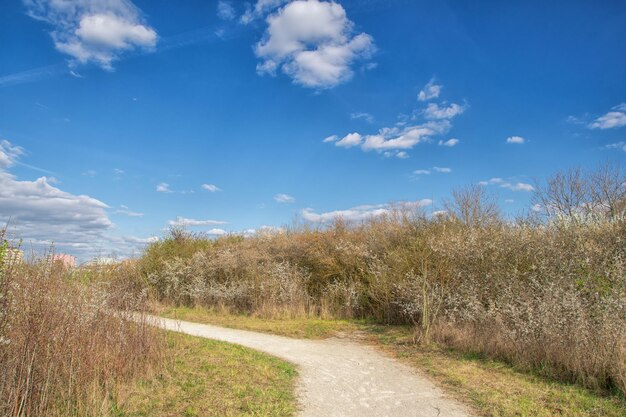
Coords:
216,232
312,42
361,213
513,186
430,91
516,140
449,143
284,198
435,111
185,222
43,214
393,141
97,31
613,119
212,188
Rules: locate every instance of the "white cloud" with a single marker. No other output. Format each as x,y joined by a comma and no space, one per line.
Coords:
184,222
9,154
332,138
617,145
261,8
449,143
436,112
127,212
163,188
516,140
212,188
613,119
421,172
513,186
225,10
350,140
216,232
94,30
363,116
442,170
509,201
89,173
284,198
313,43
42,214
361,213
402,155
430,91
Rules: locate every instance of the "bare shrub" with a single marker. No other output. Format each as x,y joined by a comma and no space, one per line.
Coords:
63,351
543,294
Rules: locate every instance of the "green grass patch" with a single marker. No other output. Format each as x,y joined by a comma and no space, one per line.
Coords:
302,328
208,378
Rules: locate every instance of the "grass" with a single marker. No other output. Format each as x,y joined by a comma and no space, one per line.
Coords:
302,328
210,378
494,388
491,388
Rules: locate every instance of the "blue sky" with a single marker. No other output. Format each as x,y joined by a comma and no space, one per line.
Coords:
120,118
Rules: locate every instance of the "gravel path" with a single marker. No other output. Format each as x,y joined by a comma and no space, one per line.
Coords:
339,377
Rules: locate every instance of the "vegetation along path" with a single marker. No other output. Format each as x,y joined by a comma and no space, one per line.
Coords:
340,377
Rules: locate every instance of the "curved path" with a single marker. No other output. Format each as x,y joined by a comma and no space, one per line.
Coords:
339,377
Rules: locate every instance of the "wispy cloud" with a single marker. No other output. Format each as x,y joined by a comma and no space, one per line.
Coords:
360,213
513,186
127,212
515,140
611,120
449,143
618,145
362,116
225,10
32,75
185,222
163,188
430,91
284,198
212,188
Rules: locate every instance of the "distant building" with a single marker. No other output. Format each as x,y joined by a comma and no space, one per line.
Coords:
66,260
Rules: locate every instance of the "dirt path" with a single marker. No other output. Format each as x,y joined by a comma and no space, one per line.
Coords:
340,377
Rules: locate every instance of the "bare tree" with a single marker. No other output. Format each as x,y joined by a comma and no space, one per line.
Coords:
575,193
472,206
607,188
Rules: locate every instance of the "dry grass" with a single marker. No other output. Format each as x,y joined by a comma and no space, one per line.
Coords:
63,352
209,378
